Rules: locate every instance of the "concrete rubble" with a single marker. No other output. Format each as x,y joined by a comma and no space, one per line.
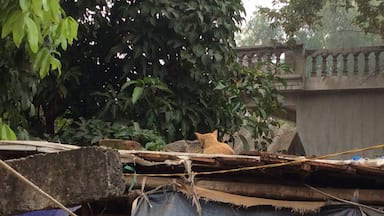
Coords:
72,177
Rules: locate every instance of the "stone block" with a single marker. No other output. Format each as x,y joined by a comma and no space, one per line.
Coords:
287,141
72,177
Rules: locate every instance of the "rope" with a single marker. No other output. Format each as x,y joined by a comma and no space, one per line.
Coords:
279,165
259,166
343,200
31,184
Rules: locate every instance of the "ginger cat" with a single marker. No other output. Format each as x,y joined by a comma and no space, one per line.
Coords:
211,145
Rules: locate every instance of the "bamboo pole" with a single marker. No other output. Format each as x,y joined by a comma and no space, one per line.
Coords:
31,184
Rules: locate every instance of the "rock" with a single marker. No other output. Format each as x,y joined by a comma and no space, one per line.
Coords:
191,146
72,177
287,141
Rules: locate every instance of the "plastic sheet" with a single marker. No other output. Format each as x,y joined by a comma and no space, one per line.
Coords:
50,212
176,203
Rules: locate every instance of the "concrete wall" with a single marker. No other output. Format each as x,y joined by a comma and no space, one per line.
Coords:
330,122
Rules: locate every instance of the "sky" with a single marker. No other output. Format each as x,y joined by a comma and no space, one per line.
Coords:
250,6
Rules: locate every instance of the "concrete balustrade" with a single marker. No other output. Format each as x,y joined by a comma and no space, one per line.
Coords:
345,62
335,96
317,62
320,69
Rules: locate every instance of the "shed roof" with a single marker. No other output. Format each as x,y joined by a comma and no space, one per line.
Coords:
253,174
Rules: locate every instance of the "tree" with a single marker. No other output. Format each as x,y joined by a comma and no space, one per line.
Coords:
336,30
259,31
163,65
294,16
31,33
153,71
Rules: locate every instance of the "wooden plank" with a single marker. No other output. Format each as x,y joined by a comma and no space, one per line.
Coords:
295,164
246,201
38,146
271,191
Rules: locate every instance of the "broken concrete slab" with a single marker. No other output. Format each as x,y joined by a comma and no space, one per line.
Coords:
72,177
287,141
191,146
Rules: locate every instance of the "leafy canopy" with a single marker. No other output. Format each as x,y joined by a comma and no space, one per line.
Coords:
163,68
167,65
295,15
337,28
42,27
31,33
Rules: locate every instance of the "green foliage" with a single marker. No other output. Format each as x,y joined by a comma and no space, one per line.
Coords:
42,25
91,131
293,16
128,169
143,86
167,65
31,32
155,63
18,85
6,132
335,29
370,15
254,87
258,31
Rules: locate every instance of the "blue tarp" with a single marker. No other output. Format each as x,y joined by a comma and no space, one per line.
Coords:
176,203
50,212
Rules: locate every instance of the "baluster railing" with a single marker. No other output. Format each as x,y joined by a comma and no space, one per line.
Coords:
324,64
366,62
334,64
345,62
320,62
250,56
377,63
314,63
355,63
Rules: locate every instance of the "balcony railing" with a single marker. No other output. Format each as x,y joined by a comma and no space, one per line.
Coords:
251,56
345,62
318,62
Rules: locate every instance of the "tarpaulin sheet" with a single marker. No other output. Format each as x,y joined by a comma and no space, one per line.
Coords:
50,212
176,203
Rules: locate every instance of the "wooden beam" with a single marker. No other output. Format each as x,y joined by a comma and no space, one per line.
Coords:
271,191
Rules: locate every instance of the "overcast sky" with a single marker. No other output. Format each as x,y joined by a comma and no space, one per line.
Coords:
250,5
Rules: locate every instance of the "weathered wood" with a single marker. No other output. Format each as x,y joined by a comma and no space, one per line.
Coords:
127,157
271,191
295,170
120,144
247,201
